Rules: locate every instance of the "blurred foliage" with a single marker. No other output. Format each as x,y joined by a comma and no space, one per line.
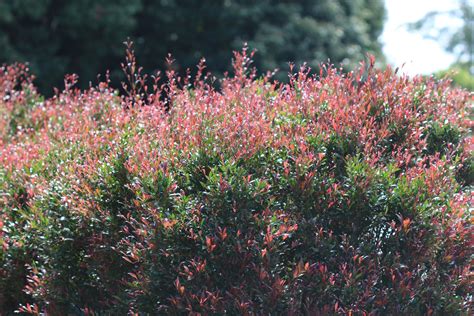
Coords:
85,36
456,40
58,37
460,75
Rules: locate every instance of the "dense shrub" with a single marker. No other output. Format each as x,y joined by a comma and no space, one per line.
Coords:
333,194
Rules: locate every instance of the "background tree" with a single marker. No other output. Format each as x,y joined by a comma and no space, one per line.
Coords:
456,40
58,37
85,36
315,31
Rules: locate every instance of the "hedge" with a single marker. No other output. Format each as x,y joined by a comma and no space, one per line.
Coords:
336,193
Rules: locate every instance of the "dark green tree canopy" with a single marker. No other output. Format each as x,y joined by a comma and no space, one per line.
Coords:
86,36
58,37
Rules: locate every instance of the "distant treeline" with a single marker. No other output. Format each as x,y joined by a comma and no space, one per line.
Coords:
86,36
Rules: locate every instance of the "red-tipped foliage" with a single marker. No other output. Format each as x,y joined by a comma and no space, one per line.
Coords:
341,193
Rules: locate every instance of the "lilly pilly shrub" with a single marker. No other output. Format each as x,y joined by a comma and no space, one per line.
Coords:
332,194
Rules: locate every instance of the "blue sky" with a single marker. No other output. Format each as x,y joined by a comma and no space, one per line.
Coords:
419,55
